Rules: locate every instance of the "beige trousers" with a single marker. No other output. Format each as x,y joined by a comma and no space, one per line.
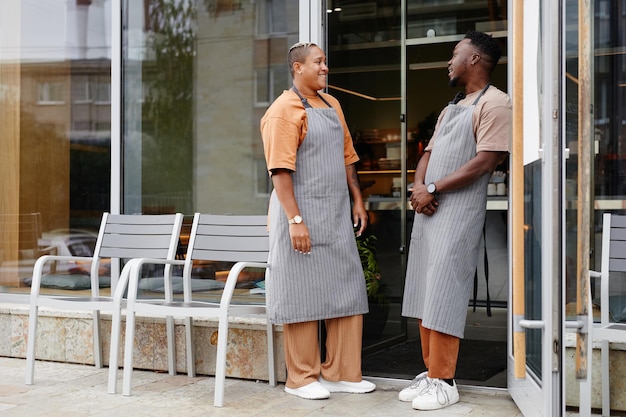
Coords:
440,352
343,351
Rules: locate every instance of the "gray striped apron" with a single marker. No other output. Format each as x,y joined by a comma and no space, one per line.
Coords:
444,247
329,282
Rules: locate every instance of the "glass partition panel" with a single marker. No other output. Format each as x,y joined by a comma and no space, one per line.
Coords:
55,115
364,57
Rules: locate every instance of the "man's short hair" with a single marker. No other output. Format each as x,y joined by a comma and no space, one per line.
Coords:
487,46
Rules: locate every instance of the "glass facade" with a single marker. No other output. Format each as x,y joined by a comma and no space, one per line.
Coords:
197,76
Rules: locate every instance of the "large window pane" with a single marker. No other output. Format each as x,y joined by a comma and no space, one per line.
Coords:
198,76
55,137
608,147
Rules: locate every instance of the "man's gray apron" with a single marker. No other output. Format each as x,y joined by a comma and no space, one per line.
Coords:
444,247
329,282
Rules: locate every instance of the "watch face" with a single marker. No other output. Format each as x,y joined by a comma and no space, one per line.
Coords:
296,220
431,188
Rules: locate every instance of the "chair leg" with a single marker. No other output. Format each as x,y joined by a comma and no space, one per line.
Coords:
271,366
220,361
30,346
129,346
170,329
116,324
191,356
584,406
606,394
97,346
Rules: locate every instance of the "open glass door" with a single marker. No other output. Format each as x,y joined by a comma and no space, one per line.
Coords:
536,317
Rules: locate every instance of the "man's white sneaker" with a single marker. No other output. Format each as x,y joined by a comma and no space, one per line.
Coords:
361,387
438,394
415,387
312,391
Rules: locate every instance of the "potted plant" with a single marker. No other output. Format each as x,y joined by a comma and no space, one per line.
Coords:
373,322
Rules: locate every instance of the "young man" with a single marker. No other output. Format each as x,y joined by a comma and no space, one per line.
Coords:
449,198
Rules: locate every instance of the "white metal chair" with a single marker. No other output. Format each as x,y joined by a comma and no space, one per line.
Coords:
613,262
121,237
229,238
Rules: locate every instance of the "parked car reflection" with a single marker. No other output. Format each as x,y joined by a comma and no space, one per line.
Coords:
72,274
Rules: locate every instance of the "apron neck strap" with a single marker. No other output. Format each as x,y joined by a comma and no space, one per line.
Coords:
305,102
481,94
461,95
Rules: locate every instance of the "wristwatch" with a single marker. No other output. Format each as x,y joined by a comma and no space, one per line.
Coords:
296,220
431,188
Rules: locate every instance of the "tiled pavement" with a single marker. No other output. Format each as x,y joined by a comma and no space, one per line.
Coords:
66,390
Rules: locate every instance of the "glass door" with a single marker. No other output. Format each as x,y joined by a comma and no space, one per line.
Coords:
432,31
388,63
535,368
364,56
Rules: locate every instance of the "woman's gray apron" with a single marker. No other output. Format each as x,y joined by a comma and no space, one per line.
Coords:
329,282
444,247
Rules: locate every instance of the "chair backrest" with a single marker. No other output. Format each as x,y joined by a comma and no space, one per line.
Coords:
615,225
229,238
613,261
126,236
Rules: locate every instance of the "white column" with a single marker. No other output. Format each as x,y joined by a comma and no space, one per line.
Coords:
311,22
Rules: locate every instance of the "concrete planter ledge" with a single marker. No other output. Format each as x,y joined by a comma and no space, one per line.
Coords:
66,336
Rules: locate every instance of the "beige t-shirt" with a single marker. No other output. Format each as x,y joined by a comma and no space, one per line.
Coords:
284,127
491,120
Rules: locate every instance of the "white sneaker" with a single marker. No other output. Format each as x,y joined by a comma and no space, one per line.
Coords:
361,387
312,391
415,387
438,394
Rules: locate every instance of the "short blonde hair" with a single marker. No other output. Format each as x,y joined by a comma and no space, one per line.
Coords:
298,53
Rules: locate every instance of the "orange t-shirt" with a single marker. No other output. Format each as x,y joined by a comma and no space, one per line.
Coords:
284,127
491,120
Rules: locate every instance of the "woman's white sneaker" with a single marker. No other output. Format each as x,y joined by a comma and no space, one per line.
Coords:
361,387
312,391
415,387
438,394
